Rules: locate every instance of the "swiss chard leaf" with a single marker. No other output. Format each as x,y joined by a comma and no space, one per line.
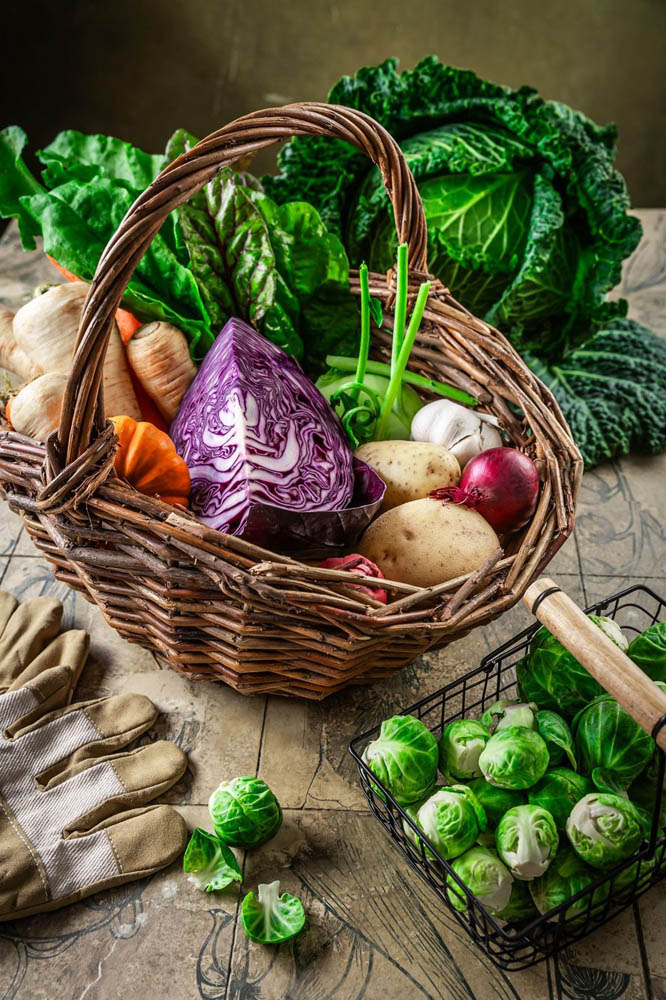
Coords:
73,155
612,391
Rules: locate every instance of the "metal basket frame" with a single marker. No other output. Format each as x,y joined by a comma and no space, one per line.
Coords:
517,946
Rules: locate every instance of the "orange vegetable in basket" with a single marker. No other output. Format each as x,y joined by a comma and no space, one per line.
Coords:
148,460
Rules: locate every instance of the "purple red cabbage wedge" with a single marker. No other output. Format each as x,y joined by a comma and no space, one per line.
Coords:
267,456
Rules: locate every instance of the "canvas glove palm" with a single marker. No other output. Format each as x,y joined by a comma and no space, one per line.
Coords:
73,813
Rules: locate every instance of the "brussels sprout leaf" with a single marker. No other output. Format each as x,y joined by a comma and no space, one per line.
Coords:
271,918
212,865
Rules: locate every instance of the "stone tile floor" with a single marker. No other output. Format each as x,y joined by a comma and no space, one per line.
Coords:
374,932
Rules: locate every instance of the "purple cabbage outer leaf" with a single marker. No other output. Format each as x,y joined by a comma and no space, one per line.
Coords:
259,440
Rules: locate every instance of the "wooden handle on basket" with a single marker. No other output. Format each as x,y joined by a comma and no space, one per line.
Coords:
82,420
619,675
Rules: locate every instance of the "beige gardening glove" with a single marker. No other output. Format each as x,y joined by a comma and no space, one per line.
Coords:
73,813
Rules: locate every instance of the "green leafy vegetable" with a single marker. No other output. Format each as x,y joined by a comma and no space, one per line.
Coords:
526,216
17,182
552,677
604,829
483,874
270,918
558,791
506,712
612,391
527,840
556,735
521,905
648,651
404,758
460,746
613,748
495,801
452,819
567,876
244,811
515,757
211,863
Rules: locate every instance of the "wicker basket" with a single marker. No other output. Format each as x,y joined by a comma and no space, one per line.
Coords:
214,606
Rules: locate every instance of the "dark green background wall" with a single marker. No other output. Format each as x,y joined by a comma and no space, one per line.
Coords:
139,69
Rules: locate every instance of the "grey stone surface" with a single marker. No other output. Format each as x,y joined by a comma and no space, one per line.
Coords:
374,931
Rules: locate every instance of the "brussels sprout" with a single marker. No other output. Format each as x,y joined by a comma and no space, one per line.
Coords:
550,668
604,829
648,651
558,791
527,840
643,792
521,905
413,812
404,757
638,875
452,820
271,918
495,801
211,863
566,876
485,875
529,688
505,713
612,747
556,734
516,757
244,811
459,747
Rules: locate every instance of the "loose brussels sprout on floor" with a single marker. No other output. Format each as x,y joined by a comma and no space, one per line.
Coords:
506,712
566,876
516,757
558,791
271,918
210,863
604,829
460,745
495,801
553,678
556,734
485,875
648,651
404,758
452,820
527,840
612,747
244,811
520,906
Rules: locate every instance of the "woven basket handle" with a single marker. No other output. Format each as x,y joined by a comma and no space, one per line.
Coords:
82,412
619,675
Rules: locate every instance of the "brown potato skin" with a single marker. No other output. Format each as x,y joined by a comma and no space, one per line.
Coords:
426,542
410,469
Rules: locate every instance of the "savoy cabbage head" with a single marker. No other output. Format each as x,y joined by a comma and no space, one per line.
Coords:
527,218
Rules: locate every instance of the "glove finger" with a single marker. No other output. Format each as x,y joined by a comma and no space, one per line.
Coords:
21,707
85,730
26,633
123,848
69,649
141,775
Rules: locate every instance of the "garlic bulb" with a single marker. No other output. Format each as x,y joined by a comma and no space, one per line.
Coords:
464,432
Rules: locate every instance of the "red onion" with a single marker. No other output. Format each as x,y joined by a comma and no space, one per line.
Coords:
358,564
501,483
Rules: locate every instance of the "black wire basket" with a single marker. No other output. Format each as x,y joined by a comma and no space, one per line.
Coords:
516,946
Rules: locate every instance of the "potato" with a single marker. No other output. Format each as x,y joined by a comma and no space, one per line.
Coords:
410,469
425,542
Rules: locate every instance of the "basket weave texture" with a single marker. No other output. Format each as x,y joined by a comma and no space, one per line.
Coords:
215,606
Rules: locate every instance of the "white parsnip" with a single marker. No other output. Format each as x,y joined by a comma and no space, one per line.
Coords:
159,356
35,409
11,356
46,329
